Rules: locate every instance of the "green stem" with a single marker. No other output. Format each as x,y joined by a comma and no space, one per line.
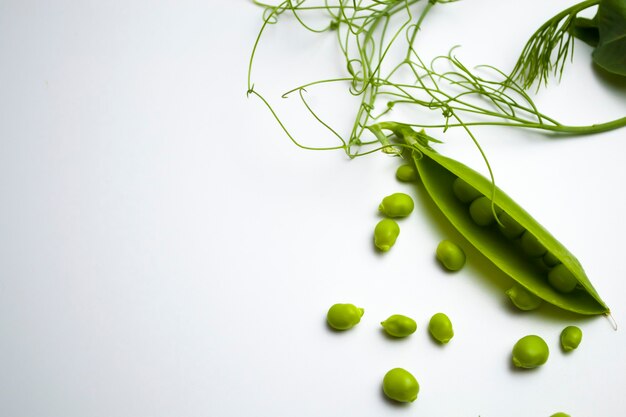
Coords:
565,129
417,26
575,9
371,89
583,130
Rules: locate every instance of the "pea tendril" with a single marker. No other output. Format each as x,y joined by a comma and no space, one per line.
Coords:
376,39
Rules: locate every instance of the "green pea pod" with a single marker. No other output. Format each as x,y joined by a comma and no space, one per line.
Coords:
438,174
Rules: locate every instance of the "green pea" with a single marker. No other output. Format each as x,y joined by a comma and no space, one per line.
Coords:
481,212
400,385
550,260
440,328
562,279
560,415
397,205
465,192
523,299
531,245
385,234
509,227
530,352
406,173
571,336
344,316
450,255
398,325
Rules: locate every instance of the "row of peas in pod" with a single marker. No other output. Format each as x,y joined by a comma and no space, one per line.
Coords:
530,351
485,214
398,384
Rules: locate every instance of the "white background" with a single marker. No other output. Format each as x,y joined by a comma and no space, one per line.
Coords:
166,251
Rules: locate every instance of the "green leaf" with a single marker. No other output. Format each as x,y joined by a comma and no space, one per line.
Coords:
586,30
610,54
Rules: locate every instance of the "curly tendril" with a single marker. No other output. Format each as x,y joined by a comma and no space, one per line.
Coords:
384,71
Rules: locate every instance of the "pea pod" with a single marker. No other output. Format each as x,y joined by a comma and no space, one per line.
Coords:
438,174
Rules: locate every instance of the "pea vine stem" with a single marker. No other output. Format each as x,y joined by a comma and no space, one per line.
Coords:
366,30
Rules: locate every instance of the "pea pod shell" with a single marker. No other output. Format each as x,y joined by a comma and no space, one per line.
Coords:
438,174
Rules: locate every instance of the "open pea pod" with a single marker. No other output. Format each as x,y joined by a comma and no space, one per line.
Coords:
438,174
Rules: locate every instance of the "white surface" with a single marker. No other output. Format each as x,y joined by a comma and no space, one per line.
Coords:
166,251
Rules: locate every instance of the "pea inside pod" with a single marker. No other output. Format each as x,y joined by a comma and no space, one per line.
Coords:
562,279
481,211
465,192
523,299
438,175
532,246
509,227
550,260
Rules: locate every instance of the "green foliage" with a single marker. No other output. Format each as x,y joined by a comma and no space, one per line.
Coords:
552,45
610,53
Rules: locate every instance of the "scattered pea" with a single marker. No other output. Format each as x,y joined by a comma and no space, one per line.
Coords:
400,385
397,205
530,352
344,316
440,328
562,279
465,192
450,255
523,299
531,245
560,415
398,325
481,212
509,227
571,336
550,260
385,234
406,173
